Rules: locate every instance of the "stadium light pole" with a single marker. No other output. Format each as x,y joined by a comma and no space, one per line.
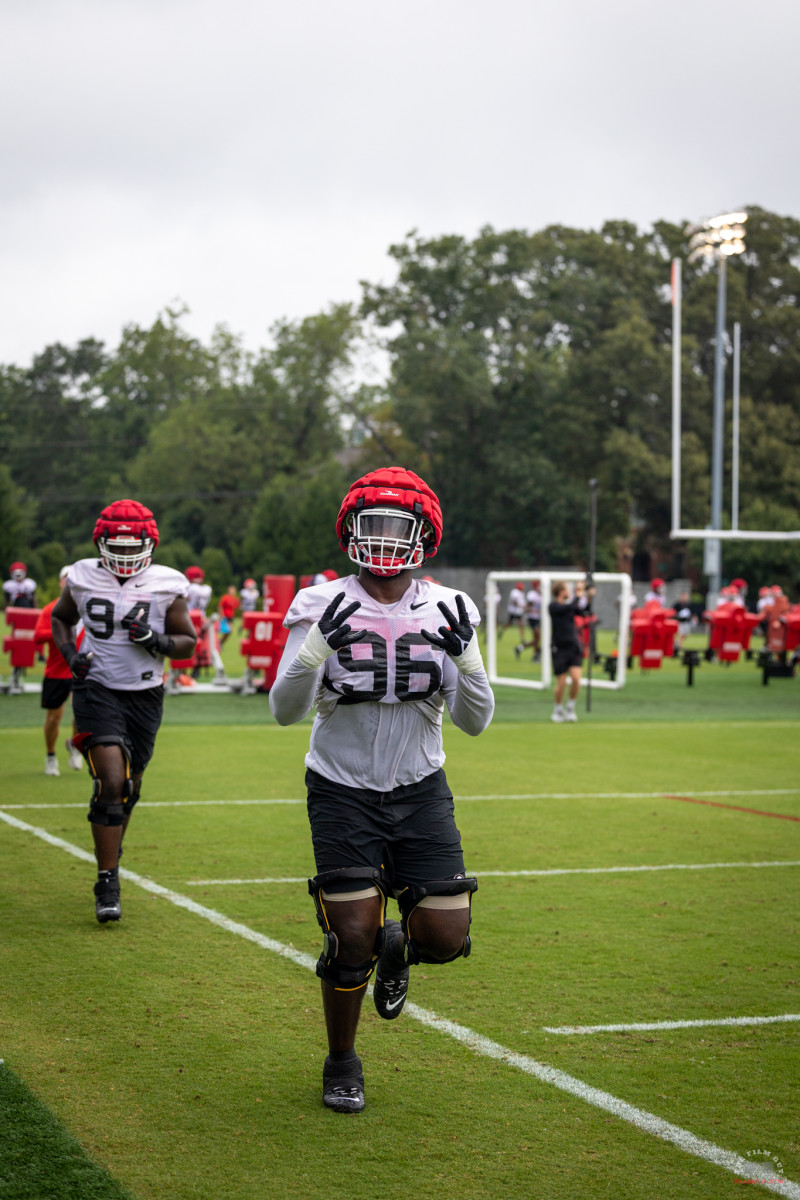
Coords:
717,239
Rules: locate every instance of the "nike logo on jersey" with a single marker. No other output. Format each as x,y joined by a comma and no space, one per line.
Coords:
140,585
421,604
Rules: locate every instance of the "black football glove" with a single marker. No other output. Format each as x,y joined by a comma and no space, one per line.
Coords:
457,634
79,664
457,639
333,627
142,635
329,634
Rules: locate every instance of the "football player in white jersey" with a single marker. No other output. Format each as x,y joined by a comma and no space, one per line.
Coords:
199,591
371,652
134,615
19,589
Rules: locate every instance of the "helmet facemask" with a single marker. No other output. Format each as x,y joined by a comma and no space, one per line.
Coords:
125,555
386,540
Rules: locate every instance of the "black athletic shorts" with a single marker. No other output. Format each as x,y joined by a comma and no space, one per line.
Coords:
105,716
564,659
55,692
410,833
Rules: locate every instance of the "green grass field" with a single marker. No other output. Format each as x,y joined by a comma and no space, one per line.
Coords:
638,868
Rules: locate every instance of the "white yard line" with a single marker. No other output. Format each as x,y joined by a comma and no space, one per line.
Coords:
715,866
459,798
648,1025
155,804
523,874
645,1121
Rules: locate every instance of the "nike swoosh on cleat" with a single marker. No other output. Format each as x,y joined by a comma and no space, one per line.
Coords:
421,604
391,1004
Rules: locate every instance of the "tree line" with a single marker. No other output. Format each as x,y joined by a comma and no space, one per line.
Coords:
520,366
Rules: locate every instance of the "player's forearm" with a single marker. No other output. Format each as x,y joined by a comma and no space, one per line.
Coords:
472,705
292,695
183,645
62,634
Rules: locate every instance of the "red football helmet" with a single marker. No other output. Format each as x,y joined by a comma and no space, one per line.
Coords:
390,520
18,571
126,535
195,574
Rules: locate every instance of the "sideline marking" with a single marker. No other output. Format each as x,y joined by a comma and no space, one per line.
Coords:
459,799
155,804
514,874
646,1121
646,1025
756,812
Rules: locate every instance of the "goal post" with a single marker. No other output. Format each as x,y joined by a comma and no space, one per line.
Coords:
546,579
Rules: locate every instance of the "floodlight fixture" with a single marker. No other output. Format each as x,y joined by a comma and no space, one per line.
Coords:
735,218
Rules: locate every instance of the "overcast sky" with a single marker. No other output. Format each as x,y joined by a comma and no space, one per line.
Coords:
255,160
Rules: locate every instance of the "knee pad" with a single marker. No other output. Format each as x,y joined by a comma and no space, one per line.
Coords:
102,812
342,976
436,893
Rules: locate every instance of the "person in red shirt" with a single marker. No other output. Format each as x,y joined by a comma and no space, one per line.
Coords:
228,606
56,687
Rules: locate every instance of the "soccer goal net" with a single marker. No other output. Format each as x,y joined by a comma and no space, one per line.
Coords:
616,589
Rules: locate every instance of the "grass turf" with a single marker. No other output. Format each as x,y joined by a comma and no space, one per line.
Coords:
187,1061
38,1158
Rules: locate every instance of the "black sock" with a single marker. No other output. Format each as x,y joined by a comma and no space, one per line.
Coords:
107,876
343,1056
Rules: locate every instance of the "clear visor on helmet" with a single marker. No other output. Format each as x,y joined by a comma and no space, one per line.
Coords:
386,540
125,556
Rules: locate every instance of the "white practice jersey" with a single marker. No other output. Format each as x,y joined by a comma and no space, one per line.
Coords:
516,602
198,596
533,604
19,592
379,701
250,598
107,606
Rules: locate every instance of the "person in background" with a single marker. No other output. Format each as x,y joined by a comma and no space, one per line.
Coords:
533,615
566,648
56,688
379,805
326,576
656,592
685,617
741,591
249,595
515,611
134,615
228,607
18,590
738,592
199,591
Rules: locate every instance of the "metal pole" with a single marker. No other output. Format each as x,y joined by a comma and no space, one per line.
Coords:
719,413
589,581
676,393
737,348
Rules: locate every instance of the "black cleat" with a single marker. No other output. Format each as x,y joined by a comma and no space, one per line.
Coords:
391,974
343,1085
107,898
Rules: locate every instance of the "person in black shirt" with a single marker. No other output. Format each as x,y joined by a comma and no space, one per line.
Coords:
566,649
